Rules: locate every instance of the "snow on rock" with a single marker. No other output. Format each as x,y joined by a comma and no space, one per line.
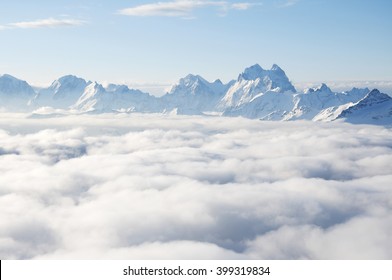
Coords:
331,113
313,101
266,106
257,93
15,94
62,93
374,108
194,95
96,98
254,81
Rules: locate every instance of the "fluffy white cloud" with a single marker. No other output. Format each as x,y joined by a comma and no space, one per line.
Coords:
42,23
242,6
152,186
287,3
182,8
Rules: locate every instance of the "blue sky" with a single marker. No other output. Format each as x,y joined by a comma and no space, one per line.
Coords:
152,42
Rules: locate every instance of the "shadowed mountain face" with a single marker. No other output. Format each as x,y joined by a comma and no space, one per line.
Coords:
256,93
375,107
15,94
62,93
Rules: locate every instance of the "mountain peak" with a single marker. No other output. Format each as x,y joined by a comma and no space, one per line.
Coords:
191,79
68,77
375,92
194,83
275,67
321,88
68,82
274,79
11,84
96,85
252,73
309,90
372,98
357,91
62,93
374,108
376,95
12,81
324,88
122,89
9,77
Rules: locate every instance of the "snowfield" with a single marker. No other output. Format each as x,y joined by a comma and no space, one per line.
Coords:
151,186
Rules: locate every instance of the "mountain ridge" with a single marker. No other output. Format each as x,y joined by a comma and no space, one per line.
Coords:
256,93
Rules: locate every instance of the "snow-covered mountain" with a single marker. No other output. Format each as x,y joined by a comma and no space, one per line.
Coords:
374,108
254,81
293,106
257,93
15,94
71,92
117,98
314,100
62,93
265,106
194,95
94,97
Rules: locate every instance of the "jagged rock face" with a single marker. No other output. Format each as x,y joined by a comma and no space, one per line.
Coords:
255,81
307,106
374,108
371,99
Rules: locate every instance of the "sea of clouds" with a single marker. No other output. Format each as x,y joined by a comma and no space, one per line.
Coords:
178,187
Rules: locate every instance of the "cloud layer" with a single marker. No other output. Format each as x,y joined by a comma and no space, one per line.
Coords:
182,8
151,186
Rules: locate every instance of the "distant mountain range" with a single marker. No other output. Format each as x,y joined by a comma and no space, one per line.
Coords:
256,93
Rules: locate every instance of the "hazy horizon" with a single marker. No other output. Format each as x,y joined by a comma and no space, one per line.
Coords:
138,42
159,89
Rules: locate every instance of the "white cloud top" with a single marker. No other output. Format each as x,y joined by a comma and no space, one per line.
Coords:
44,23
182,8
287,3
150,186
